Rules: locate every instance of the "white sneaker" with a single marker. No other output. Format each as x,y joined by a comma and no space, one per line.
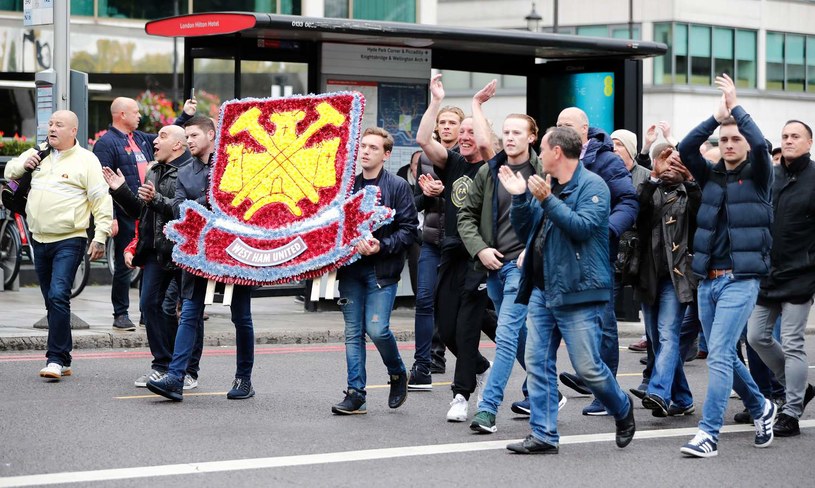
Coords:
735,395
190,383
142,380
55,371
458,409
480,382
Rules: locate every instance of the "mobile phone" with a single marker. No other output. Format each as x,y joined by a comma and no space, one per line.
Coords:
192,93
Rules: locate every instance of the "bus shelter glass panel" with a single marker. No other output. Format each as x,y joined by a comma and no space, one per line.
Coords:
213,83
262,79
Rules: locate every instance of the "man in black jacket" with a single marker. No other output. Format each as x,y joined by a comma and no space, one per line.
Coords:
368,286
153,208
790,285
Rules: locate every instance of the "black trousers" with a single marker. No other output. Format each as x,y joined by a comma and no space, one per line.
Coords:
461,304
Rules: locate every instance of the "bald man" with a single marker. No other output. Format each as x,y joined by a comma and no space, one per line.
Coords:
126,149
66,188
152,205
598,156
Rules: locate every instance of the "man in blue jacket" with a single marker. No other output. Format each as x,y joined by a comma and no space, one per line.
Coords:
368,286
731,253
598,156
126,149
566,280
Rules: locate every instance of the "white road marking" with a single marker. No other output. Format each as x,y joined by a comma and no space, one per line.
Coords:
327,458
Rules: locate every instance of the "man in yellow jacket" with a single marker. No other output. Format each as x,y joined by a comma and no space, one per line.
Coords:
66,188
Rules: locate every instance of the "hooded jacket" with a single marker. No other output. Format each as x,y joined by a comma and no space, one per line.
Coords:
600,158
478,217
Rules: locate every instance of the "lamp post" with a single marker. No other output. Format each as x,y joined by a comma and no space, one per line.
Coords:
533,20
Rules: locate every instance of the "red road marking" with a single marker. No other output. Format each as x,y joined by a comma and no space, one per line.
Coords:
259,351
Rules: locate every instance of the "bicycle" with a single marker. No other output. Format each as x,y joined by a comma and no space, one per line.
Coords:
11,246
15,241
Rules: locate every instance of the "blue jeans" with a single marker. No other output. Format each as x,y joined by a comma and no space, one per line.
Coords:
725,304
510,334
56,264
609,341
366,308
425,295
191,330
579,327
120,289
664,319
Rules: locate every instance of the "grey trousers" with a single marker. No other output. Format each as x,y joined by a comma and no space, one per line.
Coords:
787,360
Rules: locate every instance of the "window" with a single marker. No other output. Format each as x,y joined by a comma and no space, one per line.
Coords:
697,53
390,10
337,9
790,62
617,31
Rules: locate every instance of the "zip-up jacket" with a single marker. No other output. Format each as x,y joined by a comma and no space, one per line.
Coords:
792,258
395,237
65,190
600,158
478,217
153,216
576,268
745,193
113,151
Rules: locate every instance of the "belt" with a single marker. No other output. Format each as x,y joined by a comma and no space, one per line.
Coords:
718,273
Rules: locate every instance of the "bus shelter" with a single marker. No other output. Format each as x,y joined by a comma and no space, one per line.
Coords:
237,55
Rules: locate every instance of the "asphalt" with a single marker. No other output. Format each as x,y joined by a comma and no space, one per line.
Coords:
277,320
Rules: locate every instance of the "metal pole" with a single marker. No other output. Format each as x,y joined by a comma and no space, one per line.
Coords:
178,101
630,19
62,59
554,19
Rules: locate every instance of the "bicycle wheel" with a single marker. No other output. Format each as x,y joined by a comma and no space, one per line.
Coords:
10,253
81,277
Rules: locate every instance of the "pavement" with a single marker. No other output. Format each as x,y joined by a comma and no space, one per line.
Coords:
277,320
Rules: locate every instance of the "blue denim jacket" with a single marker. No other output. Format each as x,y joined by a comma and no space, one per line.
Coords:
576,268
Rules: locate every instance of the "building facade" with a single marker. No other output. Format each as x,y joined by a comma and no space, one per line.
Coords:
767,46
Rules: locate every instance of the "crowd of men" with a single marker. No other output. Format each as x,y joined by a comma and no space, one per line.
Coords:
529,247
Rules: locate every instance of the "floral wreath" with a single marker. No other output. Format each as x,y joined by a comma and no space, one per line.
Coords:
280,191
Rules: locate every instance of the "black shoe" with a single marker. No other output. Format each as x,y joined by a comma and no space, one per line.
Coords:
398,393
531,445
626,427
168,387
809,394
241,389
352,404
437,367
644,360
677,411
656,405
123,323
637,392
786,426
743,417
420,379
574,382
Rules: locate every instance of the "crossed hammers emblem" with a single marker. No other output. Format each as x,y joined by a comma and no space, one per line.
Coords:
288,171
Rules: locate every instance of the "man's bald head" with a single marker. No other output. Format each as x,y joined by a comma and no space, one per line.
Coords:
170,143
124,113
576,119
62,128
